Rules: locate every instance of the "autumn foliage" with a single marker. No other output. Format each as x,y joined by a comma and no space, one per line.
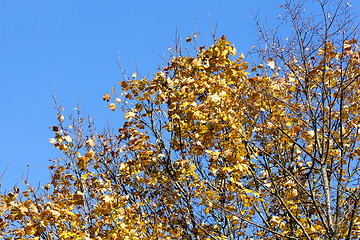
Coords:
214,147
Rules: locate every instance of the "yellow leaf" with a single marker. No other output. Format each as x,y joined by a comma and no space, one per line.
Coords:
275,220
112,106
90,154
90,142
347,47
68,138
271,64
215,98
61,118
107,198
207,210
130,115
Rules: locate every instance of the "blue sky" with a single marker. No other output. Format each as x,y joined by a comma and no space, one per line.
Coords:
74,46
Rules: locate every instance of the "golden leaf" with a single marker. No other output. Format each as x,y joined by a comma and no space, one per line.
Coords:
61,118
90,142
68,138
112,106
271,64
106,97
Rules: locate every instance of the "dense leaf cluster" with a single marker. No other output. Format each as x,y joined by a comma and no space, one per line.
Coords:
213,149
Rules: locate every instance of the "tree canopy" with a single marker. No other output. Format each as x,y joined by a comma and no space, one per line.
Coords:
216,147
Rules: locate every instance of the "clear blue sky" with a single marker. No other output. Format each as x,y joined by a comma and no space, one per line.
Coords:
74,46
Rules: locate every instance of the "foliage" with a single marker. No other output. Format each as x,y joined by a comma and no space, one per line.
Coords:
214,149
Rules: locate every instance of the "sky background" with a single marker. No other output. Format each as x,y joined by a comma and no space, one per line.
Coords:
73,47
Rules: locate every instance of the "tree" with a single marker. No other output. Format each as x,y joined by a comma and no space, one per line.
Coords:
213,149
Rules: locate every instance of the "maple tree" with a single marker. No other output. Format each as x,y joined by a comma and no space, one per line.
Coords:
214,148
